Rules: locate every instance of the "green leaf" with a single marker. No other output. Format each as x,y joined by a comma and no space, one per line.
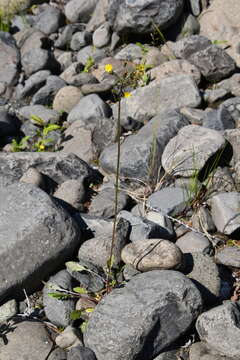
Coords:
76,314
59,295
80,290
83,326
37,119
89,310
111,261
74,266
49,128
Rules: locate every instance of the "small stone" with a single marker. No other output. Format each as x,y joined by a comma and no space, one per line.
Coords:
8,310
73,192
192,242
35,177
69,338
152,254
229,256
66,98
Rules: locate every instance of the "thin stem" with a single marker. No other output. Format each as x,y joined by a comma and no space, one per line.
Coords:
116,196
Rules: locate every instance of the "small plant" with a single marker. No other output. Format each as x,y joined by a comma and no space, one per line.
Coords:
8,12
89,64
143,48
21,145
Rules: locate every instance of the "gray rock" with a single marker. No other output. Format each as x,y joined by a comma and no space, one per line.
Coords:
214,63
219,328
142,228
192,242
81,353
19,346
48,116
58,354
130,52
205,274
49,20
72,76
221,180
171,201
73,192
46,94
39,59
69,338
102,35
152,254
39,221
66,98
169,93
231,84
229,256
232,105
102,88
34,177
225,212
154,305
29,39
103,204
58,166
168,355
10,57
200,350
34,83
64,37
8,310
202,219
129,271
194,116
97,250
219,119
190,27
214,95
195,7
137,158
104,134
134,17
189,45
189,151
90,52
89,109
80,10
79,40
58,311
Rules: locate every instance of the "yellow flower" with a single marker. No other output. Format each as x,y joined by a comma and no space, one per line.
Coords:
41,147
127,94
140,67
108,68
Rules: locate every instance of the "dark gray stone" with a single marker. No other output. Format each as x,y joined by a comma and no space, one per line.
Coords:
80,10
49,20
189,45
127,16
201,351
33,83
43,233
229,256
219,119
10,57
81,353
214,63
232,105
220,329
104,133
58,354
58,166
138,159
147,315
48,116
39,59
214,95
46,94
9,125
192,242
58,311
80,39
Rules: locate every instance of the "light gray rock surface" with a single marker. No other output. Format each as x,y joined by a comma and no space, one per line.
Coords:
157,305
192,242
229,256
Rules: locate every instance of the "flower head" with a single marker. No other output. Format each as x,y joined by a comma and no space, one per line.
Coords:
41,147
108,68
140,67
127,94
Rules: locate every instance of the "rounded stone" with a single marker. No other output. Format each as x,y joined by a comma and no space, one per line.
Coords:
66,98
152,254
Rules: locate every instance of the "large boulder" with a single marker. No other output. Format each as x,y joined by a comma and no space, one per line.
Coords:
141,17
36,234
141,319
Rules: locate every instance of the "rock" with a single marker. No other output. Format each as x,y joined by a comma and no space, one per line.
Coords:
95,226
64,36
102,88
29,39
192,242
201,350
33,83
69,338
48,116
9,125
49,20
189,151
130,52
225,212
19,346
72,76
66,98
229,256
10,58
99,16
212,96
144,228
101,36
58,311
38,59
78,140
79,40
46,94
202,219
58,354
89,109
221,181
72,192
65,60
103,204
195,7
90,52
219,119
152,254
214,63
57,237
82,10
171,201
232,106
81,353
231,84
189,45
205,274
170,93
219,328
175,67
190,27
128,17
8,310
154,305
220,23
232,136
58,166
129,272
137,158
97,250
34,177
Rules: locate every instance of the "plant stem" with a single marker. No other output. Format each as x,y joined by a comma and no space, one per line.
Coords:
116,197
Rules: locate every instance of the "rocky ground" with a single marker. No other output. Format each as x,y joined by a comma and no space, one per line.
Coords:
173,291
